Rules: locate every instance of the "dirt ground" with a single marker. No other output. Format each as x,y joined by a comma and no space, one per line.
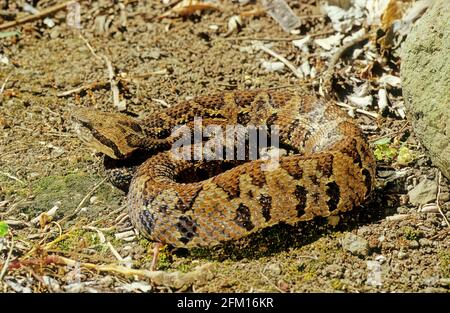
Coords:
388,245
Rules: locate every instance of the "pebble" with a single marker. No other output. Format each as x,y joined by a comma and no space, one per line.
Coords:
425,242
356,245
402,255
423,192
403,210
93,200
444,196
413,244
380,259
273,268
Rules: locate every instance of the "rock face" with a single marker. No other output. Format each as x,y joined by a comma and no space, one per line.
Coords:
425,73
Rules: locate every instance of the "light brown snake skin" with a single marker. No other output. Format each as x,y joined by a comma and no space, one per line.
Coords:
332,170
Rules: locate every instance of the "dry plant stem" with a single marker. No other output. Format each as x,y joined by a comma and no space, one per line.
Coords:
106,268
270,282
391,134
345,105
91,86
90,48
8,259
112,82
102,84
437,200
327,32
4,83
282,59
42,14
156,248
13,177
108,216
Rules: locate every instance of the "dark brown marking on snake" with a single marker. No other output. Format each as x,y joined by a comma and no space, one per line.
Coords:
300,193
352,152
133,126
243,217
148,220
187,228
333,192
266,205
325,165
367,181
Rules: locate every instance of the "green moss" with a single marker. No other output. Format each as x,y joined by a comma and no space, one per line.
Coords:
444,263
81,237
165,259
337,284
69,189
410,233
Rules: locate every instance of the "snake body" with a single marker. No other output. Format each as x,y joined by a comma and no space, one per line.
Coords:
331,171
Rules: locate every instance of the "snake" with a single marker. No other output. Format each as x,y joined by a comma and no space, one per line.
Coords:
184,202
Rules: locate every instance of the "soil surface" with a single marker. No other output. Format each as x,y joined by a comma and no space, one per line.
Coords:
388,245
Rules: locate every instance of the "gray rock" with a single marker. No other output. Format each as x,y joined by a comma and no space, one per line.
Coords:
424,242
355,245
402,255
413,244
424,192
273,268
425,74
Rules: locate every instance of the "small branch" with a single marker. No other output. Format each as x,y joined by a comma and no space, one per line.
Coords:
345,105
91,49
120,105
8,259
327,32
437,200
282,59
42,14
4,84
13,177
94,85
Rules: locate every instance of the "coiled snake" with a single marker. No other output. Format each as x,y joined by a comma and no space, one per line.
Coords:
331,171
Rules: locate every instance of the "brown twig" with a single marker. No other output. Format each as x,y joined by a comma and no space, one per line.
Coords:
8,259
345,105
44,13
437,200
282,59
327,32
390,134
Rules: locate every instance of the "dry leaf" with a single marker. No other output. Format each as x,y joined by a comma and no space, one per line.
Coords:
189,7
391,14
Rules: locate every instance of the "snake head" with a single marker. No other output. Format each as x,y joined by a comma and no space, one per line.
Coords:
107,133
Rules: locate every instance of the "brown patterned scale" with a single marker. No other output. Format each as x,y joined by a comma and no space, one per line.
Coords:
331,171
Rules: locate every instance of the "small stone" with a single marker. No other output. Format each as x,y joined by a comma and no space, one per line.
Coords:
444,197
423,192
54,33
356,245
273,268
380,259
402,210
444,282
93,200
413,244
424,242
402,255
431,281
